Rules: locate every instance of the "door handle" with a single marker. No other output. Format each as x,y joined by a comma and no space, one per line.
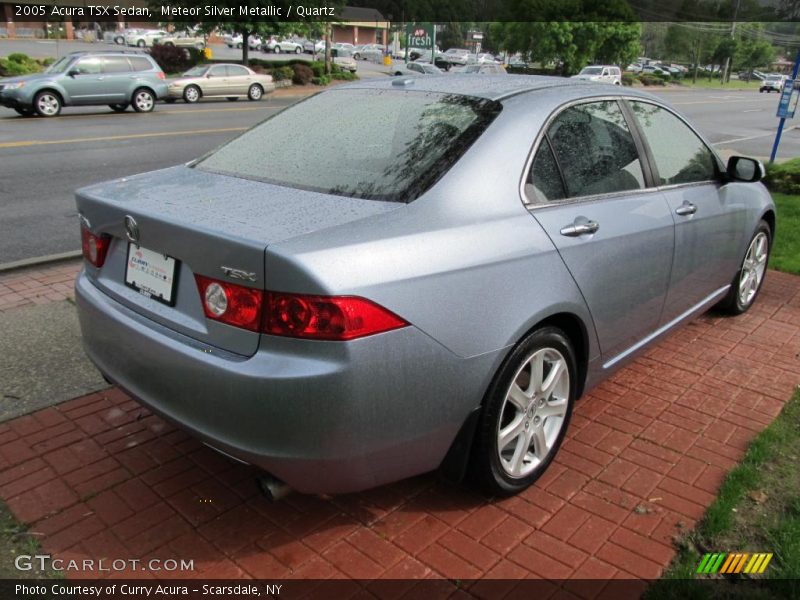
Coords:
687,208
580,228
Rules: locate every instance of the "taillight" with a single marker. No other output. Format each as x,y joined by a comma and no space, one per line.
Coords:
326,317
161,75
95,247
230,303
294,315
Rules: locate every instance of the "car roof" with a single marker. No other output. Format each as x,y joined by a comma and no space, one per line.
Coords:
491,87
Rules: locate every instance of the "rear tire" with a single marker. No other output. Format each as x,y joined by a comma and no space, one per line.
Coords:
143,100
141,43
750,277
297,50
118,107
277,50
255,93
526,413
191,94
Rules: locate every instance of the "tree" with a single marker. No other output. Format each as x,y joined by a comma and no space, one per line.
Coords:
571,45
753,54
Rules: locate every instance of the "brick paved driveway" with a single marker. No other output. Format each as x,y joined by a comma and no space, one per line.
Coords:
100,477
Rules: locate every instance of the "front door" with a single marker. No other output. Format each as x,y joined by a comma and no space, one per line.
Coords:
587,189
85,84
709,218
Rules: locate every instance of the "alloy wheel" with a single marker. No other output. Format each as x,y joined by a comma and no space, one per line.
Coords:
753,268
48,104
143,101
533,412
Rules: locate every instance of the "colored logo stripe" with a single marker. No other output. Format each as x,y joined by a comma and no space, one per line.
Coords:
736,562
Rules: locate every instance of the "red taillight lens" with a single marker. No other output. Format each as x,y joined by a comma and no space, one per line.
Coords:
161,75
95,247
229,303
294,315
326,317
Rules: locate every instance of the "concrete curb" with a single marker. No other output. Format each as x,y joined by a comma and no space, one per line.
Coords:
39,261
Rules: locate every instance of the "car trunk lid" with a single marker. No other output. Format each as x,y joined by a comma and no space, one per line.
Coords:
212,225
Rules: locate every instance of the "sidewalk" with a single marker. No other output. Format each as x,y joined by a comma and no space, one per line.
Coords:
101,477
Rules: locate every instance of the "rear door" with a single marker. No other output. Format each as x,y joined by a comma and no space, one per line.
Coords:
709,221
117,74
587,187
239,79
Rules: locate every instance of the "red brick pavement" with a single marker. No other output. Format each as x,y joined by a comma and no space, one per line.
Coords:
100,477
25,287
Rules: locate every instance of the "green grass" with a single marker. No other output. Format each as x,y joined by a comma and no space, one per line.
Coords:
16,540
757,510
786,249
714,84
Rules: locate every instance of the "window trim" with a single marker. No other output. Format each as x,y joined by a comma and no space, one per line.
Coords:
648,163
718,164
532,204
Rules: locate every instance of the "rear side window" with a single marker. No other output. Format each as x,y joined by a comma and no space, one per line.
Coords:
379,144
116,64
140,63
595,150
235,71
544,179
680,156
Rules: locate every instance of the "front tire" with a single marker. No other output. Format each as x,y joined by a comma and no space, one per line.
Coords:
526,413
255,93
143,101
141,43
277,50
47,104
191,94
297,50
749,278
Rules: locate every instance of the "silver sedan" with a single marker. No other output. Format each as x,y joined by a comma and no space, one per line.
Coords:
229,81
408,274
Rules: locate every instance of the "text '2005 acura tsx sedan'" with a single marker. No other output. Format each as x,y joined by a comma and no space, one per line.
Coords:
424,274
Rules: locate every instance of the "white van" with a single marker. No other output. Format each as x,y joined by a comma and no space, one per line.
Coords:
601,74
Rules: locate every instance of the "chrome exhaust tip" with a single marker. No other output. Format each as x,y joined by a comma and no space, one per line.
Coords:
272,487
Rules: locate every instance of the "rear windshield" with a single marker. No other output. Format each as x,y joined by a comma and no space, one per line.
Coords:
378,144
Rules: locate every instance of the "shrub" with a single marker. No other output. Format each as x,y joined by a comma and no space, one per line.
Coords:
318,68
648,79
784,177
46,62
302,74
173,59
627,79
282,73
322,80
18,64
344,76
19,57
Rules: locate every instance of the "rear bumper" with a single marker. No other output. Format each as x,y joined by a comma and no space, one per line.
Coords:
325,417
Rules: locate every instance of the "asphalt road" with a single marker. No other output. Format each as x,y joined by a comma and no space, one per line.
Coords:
42,161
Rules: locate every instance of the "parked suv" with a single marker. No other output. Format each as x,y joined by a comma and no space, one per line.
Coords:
118,79
601,73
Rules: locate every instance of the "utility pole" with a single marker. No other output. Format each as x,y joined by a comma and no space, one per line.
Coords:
733,37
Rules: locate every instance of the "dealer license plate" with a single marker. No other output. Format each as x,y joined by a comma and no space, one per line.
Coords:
152,274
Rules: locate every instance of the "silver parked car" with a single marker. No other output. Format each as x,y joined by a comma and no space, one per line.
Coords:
219,81
467,256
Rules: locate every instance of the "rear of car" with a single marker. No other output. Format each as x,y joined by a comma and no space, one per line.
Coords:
254,301
771,84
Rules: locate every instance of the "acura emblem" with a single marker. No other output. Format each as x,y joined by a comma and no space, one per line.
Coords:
132,229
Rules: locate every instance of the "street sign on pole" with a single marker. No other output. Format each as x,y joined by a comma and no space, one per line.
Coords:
420,36
787,104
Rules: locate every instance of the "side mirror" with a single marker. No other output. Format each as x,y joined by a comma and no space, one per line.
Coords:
73,72
741,168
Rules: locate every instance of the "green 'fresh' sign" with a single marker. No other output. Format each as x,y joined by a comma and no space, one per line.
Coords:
419,36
